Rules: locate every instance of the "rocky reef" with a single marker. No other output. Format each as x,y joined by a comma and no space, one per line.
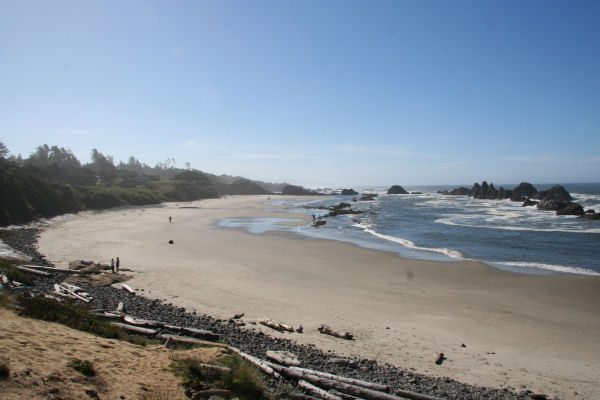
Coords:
396,189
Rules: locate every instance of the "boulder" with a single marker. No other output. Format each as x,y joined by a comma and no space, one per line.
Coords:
591,217
556,192
561,207
396,189
461,191
368,197
528,202
523,191
571,209
349,192
590,211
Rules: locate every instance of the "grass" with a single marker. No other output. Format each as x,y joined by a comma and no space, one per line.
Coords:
83,366
244,382
8,268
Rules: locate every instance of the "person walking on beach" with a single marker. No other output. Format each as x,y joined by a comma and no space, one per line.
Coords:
112,265
117,265
169,219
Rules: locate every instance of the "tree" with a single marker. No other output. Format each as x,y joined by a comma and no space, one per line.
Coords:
103,166
3,150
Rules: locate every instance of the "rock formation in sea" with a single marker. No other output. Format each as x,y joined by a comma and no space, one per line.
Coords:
349,192
556,192
396,189
524,191
297,191
561,207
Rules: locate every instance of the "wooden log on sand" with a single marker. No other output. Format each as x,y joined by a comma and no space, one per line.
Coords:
317,391
127,288
51,269
136,329
358,391
140,322
185,339
120,307
283,357
208,335
256,361
218,368
109,315
31,270
275,325
72,293
324,329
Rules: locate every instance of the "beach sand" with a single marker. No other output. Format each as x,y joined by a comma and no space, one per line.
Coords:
496,328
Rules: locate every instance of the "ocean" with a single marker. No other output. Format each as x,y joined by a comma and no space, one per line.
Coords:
432,226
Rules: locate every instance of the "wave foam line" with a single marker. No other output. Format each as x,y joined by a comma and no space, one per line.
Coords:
549,267
576,229
407,243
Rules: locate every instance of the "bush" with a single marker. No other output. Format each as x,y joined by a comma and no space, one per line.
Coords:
83,366
7,267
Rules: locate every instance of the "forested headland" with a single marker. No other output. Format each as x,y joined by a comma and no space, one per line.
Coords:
52,181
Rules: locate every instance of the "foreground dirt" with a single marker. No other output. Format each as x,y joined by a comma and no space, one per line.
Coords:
37,353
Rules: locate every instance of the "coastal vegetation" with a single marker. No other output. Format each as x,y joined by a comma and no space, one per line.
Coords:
52,181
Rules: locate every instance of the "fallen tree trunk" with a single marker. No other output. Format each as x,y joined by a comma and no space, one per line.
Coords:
275,325
343,395
185,339
256,361
31,270
283,357
317,391
136,329
358,391
324,329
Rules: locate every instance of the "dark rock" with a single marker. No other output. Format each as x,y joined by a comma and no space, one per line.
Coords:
591,217
571,209
461,191
556,192
489,192
396,189
561,207
590,211
523,191
349,192
368,196
528,202
297,191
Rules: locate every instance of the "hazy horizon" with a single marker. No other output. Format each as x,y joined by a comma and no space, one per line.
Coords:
319,94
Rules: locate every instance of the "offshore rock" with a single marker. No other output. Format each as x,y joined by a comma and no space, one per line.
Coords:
591,216
489,192
523,192
571,209
396,189
461,191
349,192
556,192
561,207
528,202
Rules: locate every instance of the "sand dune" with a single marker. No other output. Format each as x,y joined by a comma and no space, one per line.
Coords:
520,331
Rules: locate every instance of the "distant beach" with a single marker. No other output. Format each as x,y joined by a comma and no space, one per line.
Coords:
496,327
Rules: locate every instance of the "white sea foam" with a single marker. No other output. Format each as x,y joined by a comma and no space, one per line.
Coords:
549,267
461,220
407,243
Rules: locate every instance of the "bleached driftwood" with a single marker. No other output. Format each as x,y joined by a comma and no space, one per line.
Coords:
120,307
201,333
140,322
283,357
213,367
136,329
326,330
109,315
185,339
128,288
4,279
275,325
344,396
257,361
51,297
31,270
61,290
317,391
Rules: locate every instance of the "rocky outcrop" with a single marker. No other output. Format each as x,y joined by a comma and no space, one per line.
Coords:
461,191
556,192
561,207
244,186
523,191
591,216
528,202
396,189
349,192
341,209
297,191
368,197
489,192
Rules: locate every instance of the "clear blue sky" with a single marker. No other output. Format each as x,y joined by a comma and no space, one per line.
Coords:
319,93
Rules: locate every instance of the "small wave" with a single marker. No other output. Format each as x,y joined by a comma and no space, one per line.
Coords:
549,267
407,243
575,229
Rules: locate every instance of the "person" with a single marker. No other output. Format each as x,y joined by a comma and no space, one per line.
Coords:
112,265
118,263
313,217
169,219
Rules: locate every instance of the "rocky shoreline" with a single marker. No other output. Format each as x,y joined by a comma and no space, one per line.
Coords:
257,343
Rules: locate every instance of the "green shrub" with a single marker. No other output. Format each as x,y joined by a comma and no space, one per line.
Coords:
83,366
7,267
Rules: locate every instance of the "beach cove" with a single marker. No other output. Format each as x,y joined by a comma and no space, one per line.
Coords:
538,332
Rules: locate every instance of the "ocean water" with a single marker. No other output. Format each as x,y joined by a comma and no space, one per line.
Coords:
431,226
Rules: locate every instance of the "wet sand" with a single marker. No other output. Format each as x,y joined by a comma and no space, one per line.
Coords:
520,331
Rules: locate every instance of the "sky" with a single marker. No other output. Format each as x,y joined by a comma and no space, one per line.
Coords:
317,93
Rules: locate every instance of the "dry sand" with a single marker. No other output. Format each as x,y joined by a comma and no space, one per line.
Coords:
122,369
521,331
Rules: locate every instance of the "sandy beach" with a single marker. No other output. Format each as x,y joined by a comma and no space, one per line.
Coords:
496,328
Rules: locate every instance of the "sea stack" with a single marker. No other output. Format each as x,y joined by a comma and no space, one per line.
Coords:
396,189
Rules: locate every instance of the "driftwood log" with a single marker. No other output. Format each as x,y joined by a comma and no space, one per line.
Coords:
109,315
278,326
128,288
213,367
136,329
120,307
139,322
59,289
317,391
185,339
201,333
51,269
262,365
283,357
344,396
326,330
31,270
